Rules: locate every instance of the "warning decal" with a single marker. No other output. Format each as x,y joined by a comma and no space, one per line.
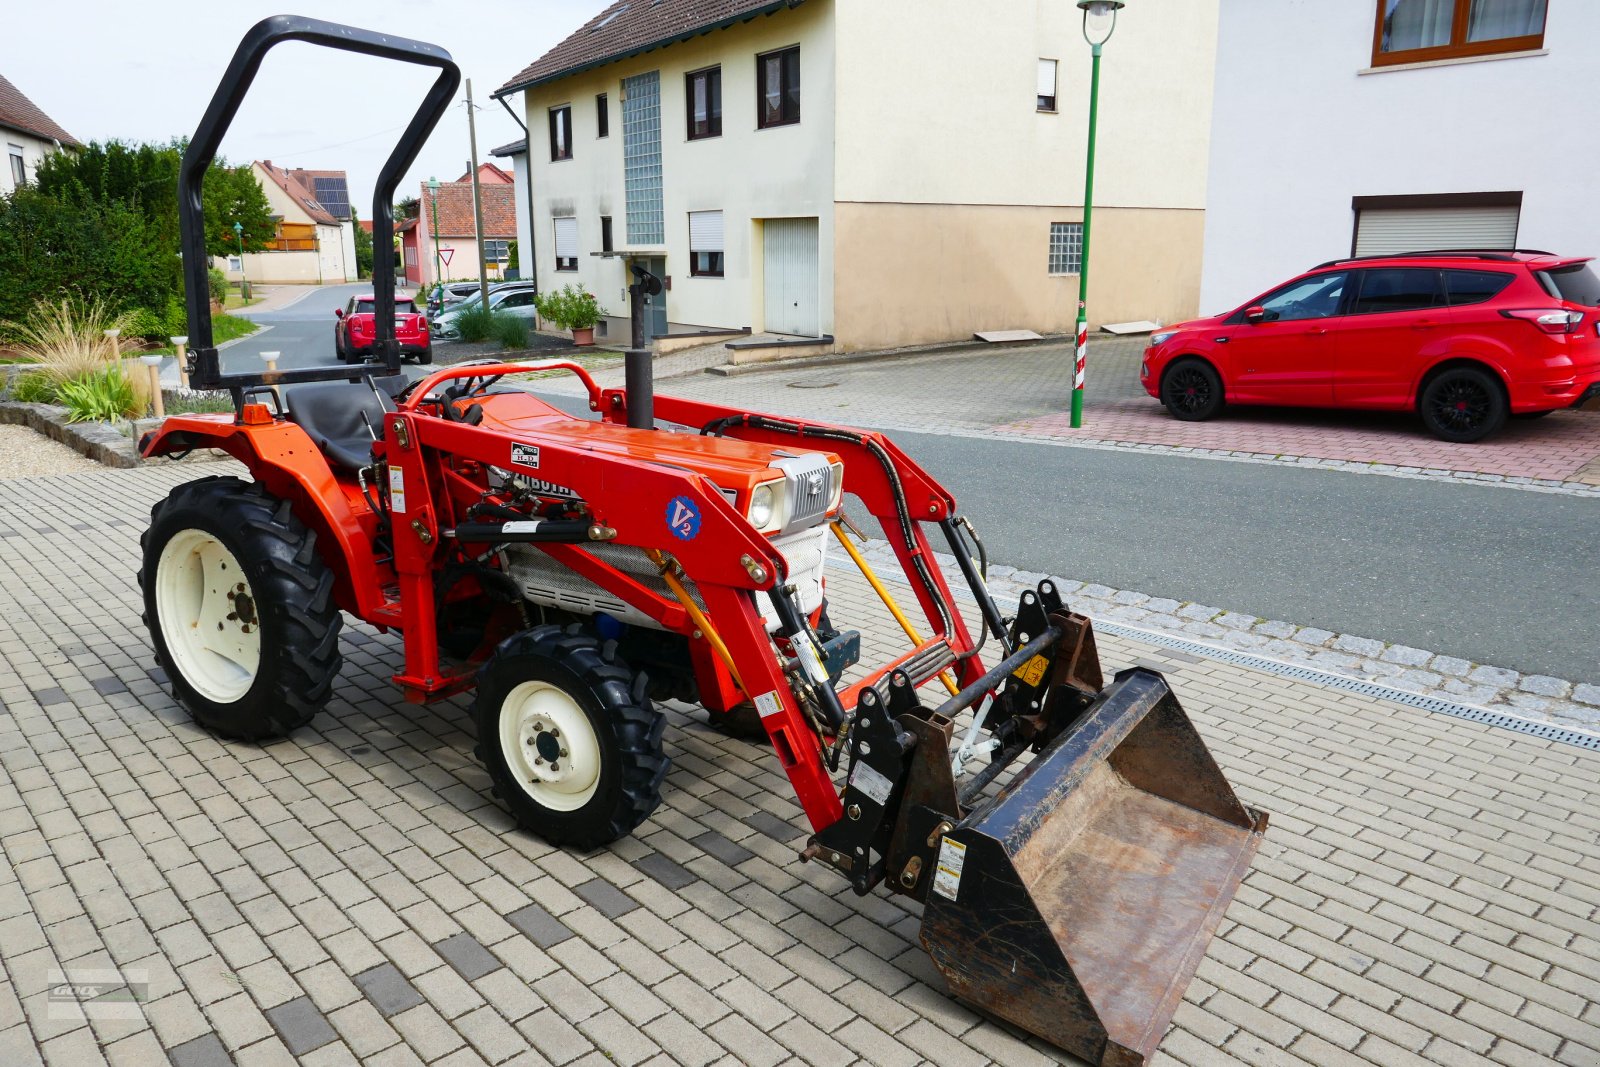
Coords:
947,875
768,704
397,490
1032,671
873,785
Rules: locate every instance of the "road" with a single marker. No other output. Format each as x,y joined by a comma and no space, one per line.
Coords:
301,333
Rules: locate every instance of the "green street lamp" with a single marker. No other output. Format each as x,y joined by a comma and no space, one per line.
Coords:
438,269
1103,14
244,284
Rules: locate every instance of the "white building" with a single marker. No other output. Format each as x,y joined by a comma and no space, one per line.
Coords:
315,242
1370,126
873,172
28,135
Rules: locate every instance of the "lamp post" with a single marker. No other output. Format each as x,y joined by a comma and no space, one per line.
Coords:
244,285
438,270
1099,11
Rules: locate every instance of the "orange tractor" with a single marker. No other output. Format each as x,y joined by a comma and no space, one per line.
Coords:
574,570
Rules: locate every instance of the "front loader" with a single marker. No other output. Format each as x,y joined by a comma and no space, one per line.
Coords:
1072,842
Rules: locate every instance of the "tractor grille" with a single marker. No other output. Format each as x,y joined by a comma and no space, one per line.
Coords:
810,486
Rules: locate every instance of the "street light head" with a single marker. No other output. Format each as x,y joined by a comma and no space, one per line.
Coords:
1099,8
1099,19
433,184
238,228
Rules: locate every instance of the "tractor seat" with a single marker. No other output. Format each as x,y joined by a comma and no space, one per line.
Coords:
330,414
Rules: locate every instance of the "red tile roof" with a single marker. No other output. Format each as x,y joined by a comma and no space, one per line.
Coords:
299,191
17,112
489,174
455,209
629,27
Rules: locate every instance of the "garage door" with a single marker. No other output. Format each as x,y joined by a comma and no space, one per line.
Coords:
790,266
1383,231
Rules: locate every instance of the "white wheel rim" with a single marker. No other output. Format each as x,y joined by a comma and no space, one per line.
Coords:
549,746
208,616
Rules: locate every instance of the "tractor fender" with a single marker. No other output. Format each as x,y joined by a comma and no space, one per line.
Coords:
282,457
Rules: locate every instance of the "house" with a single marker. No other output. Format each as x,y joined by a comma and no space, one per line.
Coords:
874,173
315,240
1375,126
456,250
28,135
517,152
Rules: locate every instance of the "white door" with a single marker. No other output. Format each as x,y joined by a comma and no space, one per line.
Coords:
1387,231
790,265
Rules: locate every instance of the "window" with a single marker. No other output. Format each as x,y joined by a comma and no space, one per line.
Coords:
1388,289
1047,85
561,132
496,251
1415,31
703,97
1066,247
19,170
523,298
602,116
566,243
1575,282
605,234
778,88
1473,286
411,255
705,244
1316,297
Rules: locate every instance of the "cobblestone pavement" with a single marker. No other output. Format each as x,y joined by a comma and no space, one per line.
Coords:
1428,891
1023,393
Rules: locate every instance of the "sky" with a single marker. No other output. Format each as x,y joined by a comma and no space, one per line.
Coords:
113,70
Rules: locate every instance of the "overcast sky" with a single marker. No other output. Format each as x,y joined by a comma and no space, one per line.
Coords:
109,69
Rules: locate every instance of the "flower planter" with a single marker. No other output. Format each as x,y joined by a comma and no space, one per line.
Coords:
583,335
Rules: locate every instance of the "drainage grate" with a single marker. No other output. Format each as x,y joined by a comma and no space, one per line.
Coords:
1546,731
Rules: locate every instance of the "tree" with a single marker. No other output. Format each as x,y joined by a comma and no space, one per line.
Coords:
363,247
407,208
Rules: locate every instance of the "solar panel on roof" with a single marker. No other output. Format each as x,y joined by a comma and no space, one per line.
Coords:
334,195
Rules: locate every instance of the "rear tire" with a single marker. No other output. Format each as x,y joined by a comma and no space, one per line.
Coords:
568,736
425,357
240,608
1191,390
1463,404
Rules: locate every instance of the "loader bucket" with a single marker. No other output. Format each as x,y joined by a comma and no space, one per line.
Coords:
1078,903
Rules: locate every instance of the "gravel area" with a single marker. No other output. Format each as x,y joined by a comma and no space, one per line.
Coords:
26,454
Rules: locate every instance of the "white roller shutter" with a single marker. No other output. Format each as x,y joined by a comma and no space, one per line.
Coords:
1383,231
705,231
1047,78
566,238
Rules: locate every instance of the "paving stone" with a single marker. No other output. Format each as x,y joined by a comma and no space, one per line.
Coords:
544,929
301,1026
388,989
470,959
665,871
204,1051
607,898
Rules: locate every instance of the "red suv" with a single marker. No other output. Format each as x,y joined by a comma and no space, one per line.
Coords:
1462,338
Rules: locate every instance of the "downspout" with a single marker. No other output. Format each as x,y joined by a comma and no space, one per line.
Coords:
527,151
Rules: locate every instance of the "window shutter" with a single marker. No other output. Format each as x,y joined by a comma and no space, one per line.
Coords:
705,231
567,238
1385,231
1047,77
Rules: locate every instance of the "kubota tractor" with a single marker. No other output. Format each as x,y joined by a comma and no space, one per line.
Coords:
573,570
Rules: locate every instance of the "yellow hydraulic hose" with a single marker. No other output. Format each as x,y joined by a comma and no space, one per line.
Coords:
888,601
702,623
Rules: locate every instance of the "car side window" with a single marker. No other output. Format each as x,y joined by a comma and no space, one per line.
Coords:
1386,289
516,300
1309,298
1473,286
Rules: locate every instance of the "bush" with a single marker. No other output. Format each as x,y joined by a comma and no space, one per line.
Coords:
218,283
475,324
33,388
570,308
105,395
66,336
510,330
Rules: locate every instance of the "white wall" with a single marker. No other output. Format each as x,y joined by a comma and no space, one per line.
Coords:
747,173
1300,128
937,104
519,168
33,153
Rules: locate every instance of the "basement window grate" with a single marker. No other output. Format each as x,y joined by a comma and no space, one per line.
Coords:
1499,720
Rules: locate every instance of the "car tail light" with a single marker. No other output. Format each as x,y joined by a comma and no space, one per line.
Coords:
1550,320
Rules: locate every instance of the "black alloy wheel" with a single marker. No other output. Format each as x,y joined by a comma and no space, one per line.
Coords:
1191,390
1463,404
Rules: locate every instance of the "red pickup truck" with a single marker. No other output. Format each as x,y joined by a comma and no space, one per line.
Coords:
354,333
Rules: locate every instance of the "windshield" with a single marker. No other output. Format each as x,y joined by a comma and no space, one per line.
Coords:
1576,284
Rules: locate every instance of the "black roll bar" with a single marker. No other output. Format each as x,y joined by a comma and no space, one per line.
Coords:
205,370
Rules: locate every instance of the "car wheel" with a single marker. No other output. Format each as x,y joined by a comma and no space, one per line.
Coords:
1463,404
425,357
1191,390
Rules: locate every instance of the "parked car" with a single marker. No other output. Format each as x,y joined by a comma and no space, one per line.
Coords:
356,330
1463,338
449,293
512,298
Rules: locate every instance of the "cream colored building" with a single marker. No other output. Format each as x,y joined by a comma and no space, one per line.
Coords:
313,245
27,136
928,186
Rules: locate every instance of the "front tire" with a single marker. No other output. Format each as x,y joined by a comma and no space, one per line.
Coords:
1191,390
240,608
568,736
1463,404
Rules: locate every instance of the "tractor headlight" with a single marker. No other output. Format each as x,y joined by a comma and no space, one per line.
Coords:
763,505
837,473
